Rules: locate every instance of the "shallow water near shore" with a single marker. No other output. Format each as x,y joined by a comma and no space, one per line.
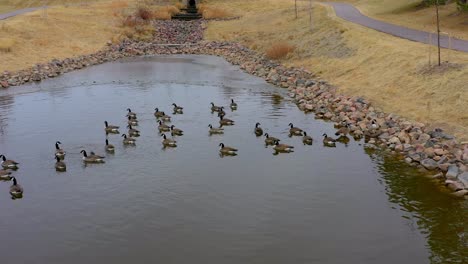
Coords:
187,204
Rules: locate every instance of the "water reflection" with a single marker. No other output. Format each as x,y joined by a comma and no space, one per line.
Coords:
440,217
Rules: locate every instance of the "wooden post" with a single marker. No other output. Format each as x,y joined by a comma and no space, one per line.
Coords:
295,7
438,28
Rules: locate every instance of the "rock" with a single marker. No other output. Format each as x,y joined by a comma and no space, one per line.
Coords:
454,185
4,84
452,172
429,164
463,178
460,193
394,140
408,160
438,176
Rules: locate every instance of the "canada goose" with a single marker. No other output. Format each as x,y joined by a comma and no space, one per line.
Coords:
221,112
225,150
157,113
270,140
176,131
219,130
9,164
16,190
258,130
163,127
340,124
343,130
165,117
5,175
111,129
225,122
215,108
178,109
130,114
58,151
132,122
128,140
133,132
60,165
328,141
294,131
233,105
307,140
283,148
167,142
343,139
91,159
109,147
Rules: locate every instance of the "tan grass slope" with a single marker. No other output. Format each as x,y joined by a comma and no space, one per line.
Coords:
389,71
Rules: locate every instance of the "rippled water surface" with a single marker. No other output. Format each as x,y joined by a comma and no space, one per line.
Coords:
189,205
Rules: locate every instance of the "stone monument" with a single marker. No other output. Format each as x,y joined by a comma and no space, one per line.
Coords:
190,12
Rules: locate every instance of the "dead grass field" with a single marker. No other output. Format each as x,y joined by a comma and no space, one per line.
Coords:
389,71
409,13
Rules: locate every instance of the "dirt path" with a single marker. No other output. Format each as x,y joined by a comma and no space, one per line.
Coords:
352,14
18,12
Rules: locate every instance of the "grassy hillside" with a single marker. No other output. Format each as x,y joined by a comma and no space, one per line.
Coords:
391,72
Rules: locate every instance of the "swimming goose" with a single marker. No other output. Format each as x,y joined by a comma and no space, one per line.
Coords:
132,122
9,164
5,175
233,105
165,117
133,132
58,151
212,130
294,131
163,127
178,109
128,140
283,148
91,159
60,165
258,130
176,131
328,141
167,142
270,140
225,150
225,122
307,140
215,108
157,113
109,147
343,130
111,129
221,111
16,190
130,114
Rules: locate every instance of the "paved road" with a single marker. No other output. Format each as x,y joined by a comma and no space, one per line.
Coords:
352,14
18,12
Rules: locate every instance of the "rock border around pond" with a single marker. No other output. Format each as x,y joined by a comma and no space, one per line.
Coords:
430,149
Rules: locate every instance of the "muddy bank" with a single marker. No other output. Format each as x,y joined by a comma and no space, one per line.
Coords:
429,149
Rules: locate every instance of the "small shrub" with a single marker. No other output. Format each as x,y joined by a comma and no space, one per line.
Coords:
6,44
143,13
279,50
214,13
462,5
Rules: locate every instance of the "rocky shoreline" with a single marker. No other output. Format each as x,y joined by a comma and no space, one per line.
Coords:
429,149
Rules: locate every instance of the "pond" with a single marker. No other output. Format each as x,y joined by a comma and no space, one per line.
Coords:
188,204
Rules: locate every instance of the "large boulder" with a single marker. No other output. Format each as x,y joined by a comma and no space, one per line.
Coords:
429,164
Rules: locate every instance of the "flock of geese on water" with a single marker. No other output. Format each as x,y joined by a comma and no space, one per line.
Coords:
16,191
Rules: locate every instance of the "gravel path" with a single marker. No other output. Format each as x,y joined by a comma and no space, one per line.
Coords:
352,14
18,12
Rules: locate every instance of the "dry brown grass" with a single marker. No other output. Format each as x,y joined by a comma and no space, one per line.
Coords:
65,32
279,50
165,12
6,44
360,61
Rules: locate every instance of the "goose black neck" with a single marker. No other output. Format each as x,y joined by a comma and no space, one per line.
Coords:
14,181
3,157
57,158
84,153
57,146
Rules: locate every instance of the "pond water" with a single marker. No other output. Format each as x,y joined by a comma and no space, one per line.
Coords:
189,205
